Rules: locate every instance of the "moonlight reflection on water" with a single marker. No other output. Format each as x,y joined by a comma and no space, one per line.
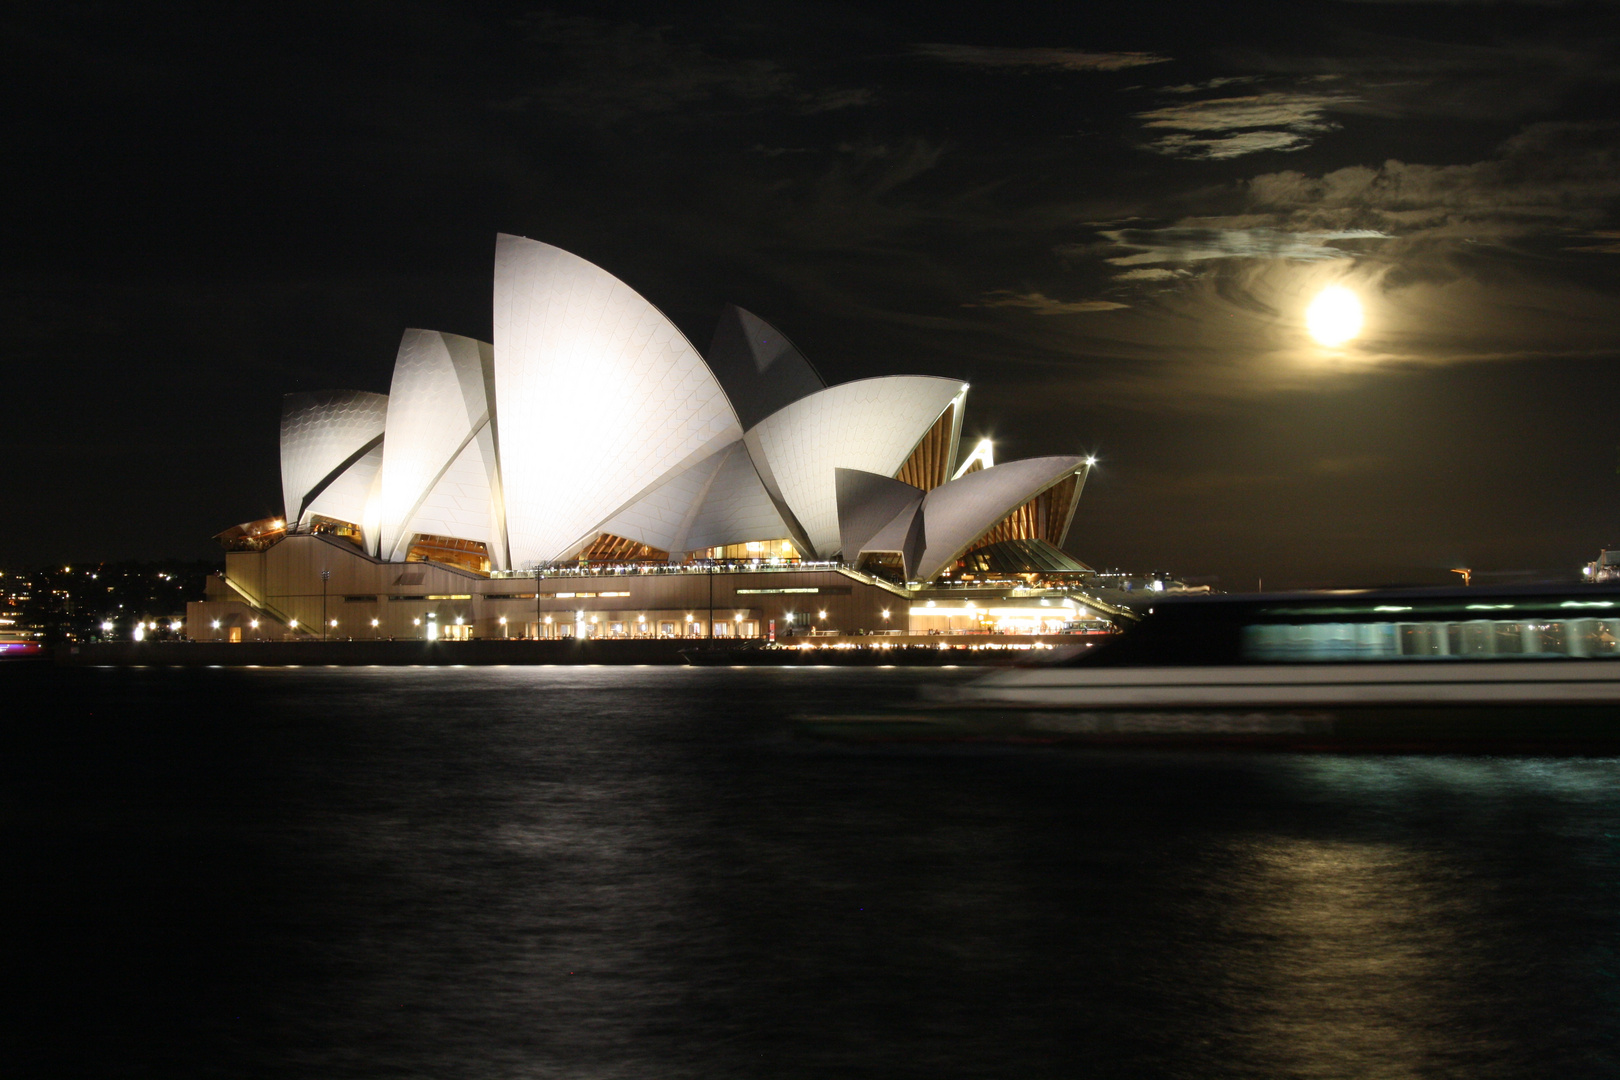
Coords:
643,872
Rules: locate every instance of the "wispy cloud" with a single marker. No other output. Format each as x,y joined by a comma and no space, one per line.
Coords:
1208,84
1222,147
1041,304
1234,126
1549,176
1608,242
1151,274
1302,112
1180,244
1065,59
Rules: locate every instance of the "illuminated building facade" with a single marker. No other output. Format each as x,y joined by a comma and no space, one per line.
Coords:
592,437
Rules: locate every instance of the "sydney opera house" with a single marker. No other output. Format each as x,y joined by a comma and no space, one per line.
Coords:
591,473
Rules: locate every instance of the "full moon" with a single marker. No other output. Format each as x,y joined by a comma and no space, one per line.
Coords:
1334,317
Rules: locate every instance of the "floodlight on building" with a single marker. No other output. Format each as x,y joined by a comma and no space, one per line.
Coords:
216,624
374,624
1090,461
737,617
292,624
885,613
821,614
416,622
254,624
547,620
984,453
458,620
175,626
689,617
106,626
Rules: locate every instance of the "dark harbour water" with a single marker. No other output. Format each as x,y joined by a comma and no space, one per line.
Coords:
607,872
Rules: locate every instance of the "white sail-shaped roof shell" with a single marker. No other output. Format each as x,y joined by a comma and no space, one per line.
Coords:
439,468
323,435
351,494
461,503
871,425
736,508
718,501
958,513
663,517
600,398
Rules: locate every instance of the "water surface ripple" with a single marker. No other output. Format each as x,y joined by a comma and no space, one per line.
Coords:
612,872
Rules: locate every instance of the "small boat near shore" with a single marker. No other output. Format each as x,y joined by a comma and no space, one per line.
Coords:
14,646
1464,668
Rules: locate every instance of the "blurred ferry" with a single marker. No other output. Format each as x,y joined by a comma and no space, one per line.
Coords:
14,646
1458,667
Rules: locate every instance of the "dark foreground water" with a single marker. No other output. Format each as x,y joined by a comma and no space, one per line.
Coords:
600,872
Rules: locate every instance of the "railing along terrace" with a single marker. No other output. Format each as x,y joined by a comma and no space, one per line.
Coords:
643,569
693,568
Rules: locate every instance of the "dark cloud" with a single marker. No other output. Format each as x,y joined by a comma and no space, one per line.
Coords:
603,71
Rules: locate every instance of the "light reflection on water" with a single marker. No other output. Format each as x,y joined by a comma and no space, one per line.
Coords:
1361,963
610,872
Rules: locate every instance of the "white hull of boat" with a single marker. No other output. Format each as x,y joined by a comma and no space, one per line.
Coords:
1553,682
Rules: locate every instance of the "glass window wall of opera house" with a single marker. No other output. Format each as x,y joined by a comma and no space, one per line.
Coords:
480,472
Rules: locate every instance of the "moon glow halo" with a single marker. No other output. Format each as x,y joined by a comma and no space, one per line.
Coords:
1334,317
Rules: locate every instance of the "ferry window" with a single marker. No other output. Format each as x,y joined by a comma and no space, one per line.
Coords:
1595,637
1475,639
1322,641
1423,639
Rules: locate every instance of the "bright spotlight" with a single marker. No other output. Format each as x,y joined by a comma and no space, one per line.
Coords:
1334,317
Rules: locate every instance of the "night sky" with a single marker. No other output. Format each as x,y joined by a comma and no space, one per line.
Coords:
1108,218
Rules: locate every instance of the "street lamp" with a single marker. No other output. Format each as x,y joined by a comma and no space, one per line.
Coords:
373,629
503,626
